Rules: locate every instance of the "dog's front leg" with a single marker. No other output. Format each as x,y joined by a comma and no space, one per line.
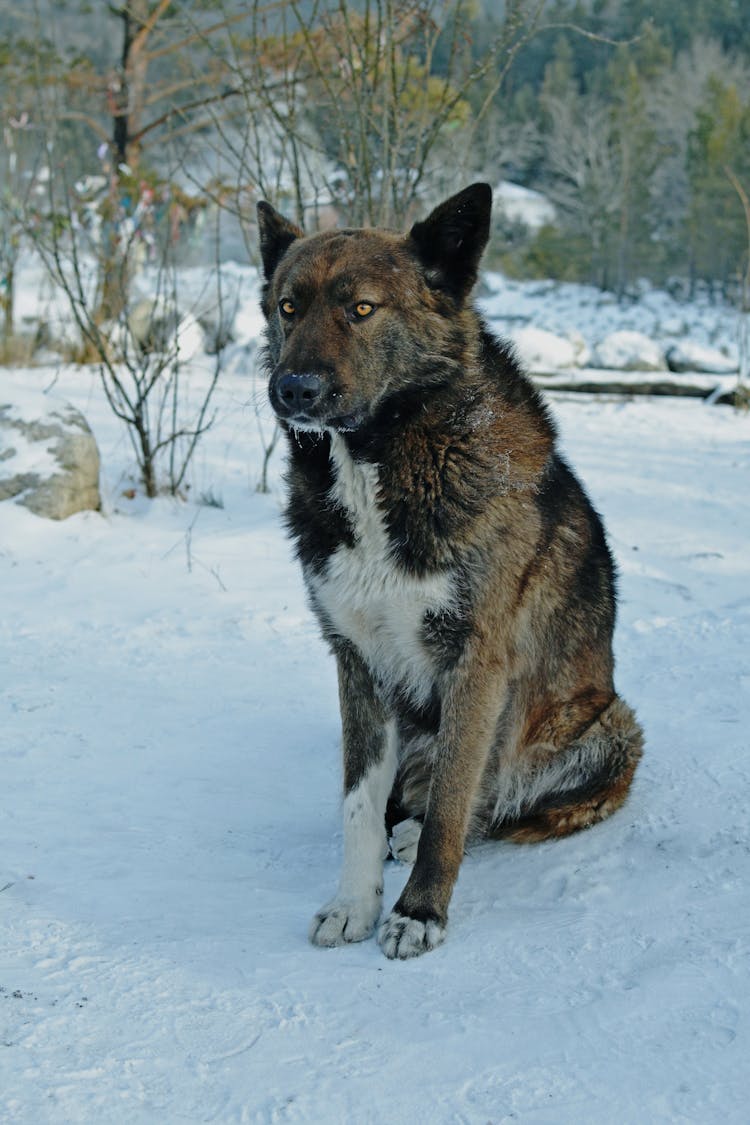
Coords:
418,920
370,752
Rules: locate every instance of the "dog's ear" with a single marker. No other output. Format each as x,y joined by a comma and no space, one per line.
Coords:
276,236
450,241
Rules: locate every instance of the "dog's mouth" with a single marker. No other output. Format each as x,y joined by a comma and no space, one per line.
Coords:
339,423
346,423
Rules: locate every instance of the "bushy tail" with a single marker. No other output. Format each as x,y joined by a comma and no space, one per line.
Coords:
603,759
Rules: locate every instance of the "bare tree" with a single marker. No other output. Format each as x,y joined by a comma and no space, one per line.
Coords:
587,184
140,351
128,107
17,186
364,110
22,174
743,329
142,367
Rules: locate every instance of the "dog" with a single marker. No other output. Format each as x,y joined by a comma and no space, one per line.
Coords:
455,564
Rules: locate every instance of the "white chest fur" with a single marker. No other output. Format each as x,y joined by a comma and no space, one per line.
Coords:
368,598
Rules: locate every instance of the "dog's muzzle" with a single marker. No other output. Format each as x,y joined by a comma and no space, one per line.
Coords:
306,400
294,397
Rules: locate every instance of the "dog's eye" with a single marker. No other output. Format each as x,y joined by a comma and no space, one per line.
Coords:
287,307
363,309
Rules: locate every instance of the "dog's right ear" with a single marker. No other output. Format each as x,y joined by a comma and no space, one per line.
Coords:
276,236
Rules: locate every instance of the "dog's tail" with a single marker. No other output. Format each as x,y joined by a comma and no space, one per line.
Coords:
582,784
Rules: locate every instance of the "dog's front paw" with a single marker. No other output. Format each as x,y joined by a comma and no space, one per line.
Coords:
341,921
402,937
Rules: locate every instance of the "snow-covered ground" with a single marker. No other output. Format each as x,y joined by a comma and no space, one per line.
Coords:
171,796
170,820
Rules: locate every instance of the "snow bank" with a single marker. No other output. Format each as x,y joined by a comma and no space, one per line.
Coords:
570,310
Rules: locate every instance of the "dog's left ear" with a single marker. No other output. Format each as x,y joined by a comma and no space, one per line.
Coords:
276,236
450,241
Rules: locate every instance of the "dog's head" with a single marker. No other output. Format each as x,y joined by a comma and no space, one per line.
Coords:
356,315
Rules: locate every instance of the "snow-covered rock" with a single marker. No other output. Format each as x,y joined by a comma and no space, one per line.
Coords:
152,324
522,205
217,325
49,462
157,326
539,350
629,351
691,356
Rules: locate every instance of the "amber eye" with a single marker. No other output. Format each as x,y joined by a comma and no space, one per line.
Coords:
287,307
363,309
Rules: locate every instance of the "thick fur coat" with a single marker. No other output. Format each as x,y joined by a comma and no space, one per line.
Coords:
456,566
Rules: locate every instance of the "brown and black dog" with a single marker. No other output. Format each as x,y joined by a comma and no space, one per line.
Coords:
454,562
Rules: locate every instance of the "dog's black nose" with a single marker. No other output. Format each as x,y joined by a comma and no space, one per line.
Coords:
298,393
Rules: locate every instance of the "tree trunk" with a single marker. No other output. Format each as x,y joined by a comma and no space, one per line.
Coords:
7,298
128,95
127,106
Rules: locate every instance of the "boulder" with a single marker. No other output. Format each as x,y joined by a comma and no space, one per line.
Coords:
50,462
218,332
539,350
155,326
691,356
629,351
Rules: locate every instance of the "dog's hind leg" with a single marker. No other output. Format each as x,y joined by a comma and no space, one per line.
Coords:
370,753
407,803
404,840
575,787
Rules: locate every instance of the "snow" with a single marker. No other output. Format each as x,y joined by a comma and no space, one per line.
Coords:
24,454
581,316
522,204
709,387
539,350
561,308
171,818
689,356
629,351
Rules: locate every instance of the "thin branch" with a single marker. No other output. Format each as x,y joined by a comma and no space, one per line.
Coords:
147,25
181,110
